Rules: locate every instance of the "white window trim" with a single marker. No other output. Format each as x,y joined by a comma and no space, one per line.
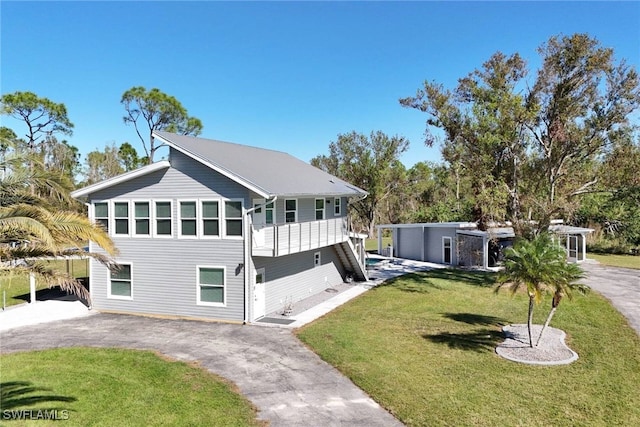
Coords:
337,203
120,297
113,218
132,211
223,217
200,216
179,222
317,259
224,286
154,219
92,213
316,210
444,238
295,212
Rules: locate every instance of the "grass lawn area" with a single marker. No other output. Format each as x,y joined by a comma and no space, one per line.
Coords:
115,387
372,244
423,347
18,285
625,261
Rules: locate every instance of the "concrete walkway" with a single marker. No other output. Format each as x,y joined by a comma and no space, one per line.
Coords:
290,385
621,286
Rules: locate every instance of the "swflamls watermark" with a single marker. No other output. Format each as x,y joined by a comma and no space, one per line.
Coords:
35,414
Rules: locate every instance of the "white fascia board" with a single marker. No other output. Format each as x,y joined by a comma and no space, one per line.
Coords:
245,183
163,164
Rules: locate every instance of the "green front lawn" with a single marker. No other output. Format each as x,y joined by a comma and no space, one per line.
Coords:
114,387
423,347
625,261
16,287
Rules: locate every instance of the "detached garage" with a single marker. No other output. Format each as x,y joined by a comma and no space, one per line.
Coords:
461,243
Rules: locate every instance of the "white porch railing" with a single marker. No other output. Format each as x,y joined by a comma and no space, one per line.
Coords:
285,239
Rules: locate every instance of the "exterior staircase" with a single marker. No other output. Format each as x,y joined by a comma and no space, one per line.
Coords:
351,259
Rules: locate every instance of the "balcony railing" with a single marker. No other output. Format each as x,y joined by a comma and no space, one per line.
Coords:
285,239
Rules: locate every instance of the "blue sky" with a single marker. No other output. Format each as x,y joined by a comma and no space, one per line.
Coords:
289,76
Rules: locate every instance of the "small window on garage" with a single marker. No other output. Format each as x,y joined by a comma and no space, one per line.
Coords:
317,259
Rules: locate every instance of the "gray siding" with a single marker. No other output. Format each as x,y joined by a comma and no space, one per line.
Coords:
294,277
164,277
185,179
424,244
409,243
164,269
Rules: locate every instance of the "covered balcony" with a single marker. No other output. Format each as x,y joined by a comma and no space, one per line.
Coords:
291,238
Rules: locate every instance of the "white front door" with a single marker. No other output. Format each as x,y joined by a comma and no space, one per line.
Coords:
258,214
259,294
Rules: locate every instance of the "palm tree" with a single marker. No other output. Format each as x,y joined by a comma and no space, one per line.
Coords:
537,265
564,285
32,231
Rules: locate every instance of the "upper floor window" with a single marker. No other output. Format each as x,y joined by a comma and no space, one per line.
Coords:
210,218
101,214
319,209
188,219
121,217
290,210
337,207
233,218
142,218
163,218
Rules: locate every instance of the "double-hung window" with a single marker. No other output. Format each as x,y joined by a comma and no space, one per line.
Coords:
290,210
101,214
337,206
188,219
120,282
233,218
142,218
211,286
121,217
163,218
210,218
319,209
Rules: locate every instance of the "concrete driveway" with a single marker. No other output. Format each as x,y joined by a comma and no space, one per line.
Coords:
621,286
289,384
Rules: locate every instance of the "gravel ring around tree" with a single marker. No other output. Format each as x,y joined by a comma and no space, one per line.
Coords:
552,349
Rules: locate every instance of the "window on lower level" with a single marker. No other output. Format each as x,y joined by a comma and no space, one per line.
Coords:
211,285
317,259
120,282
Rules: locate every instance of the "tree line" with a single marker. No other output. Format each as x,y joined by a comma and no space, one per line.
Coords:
518,144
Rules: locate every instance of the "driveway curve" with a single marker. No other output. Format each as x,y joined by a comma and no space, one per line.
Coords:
621,286
289,384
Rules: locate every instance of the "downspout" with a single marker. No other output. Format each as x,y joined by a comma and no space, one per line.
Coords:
90,268
247,255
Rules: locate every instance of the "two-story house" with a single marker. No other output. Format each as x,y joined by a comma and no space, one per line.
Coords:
222,231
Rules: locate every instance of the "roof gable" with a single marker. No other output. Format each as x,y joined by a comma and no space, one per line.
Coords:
127,176
266,172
